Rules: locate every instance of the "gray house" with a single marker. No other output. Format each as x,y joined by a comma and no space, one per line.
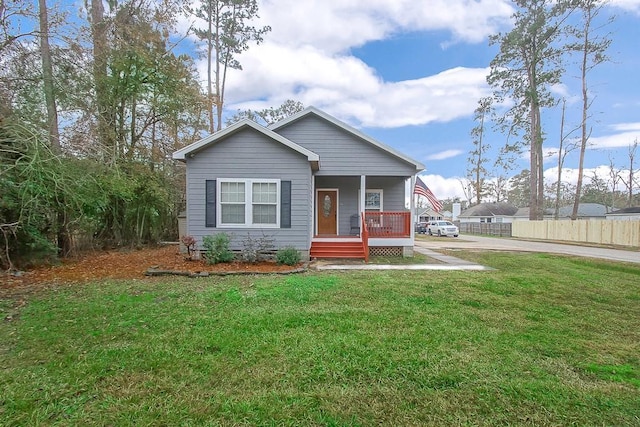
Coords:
429,214
310,181
488,213
625,214
585,211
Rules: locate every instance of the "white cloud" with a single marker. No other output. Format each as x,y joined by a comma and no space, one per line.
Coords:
622,139
444,188
348,88
440,98
447,154
622,127
307,57
562,91
626,134
549,154
631,5
570,175
307,74
338,25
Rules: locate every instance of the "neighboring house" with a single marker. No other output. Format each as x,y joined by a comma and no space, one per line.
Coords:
522,214
585,211
507,213
489,213
626,214
309,181
428,214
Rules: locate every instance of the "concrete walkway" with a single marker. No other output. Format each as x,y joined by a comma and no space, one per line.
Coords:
401,267
449,263
471,242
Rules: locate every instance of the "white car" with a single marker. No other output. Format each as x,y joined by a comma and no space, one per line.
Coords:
442,228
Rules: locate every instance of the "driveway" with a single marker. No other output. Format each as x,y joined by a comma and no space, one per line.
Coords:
506,244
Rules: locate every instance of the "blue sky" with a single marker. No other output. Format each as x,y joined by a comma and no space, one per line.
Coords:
410,73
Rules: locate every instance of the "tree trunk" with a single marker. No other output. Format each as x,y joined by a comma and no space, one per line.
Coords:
533,193
132,128
560,162
63,237
632,154
218,47
535,142
100,57
47,74
210,96
479,165
536,179
585,109
588,16
539,155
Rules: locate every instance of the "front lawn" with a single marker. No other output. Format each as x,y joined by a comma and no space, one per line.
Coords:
543,340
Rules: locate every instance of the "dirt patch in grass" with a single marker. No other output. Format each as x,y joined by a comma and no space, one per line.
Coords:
126,264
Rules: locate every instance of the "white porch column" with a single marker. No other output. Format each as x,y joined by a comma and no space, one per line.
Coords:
312,229
363,187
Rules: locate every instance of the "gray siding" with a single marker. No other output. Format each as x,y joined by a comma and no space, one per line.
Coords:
347,198
249,154
393,192
393,195
342,153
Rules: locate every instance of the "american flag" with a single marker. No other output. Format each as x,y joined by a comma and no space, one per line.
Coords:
421,189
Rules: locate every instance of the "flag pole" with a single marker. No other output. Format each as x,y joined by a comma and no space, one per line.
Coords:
416,218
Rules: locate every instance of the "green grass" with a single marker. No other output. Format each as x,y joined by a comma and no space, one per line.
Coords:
543,340
434,238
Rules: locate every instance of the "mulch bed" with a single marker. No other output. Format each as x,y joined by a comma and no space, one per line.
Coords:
131,264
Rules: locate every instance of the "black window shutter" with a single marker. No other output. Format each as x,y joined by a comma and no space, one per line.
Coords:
210,203
285,204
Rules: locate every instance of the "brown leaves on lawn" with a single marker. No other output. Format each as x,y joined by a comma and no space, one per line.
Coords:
126,264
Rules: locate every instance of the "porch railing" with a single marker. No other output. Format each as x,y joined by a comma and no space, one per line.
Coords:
365,239
388,224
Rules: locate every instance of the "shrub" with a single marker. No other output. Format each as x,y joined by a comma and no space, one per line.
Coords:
288,256
216,248
256,249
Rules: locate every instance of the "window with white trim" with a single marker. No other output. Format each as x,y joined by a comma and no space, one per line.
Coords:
265,202
373,200
249,203
232,203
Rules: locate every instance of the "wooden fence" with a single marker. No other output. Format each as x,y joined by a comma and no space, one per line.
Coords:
501,229
607,232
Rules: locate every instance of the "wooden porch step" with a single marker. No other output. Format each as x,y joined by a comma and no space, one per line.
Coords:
337,250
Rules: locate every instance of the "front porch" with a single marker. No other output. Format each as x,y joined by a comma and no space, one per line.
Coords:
352,214
372,233
388,225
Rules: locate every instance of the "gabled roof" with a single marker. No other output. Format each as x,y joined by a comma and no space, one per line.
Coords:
584,210
431,212
319,113
489,209
631,210
192,149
